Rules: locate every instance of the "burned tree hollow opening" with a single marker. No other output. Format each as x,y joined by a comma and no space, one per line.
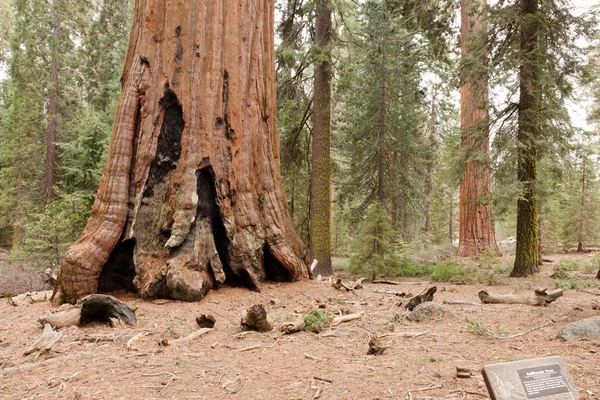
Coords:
274,271
168,150
118,272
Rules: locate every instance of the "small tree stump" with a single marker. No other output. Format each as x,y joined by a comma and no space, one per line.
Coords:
256,319
421,298
45,342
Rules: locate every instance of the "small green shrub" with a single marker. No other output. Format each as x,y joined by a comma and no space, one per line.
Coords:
453,271
490,278
398,319
478,327
317,320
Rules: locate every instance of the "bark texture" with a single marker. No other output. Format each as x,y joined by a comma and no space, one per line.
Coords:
320,176
527,256
476,226
191,193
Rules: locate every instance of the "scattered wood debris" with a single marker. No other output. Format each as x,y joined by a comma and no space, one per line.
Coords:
393,292
292,326
92,308
30,298
425,296
194,335
463,372
206,321
541,297
345,318
390,282
462,302
44,343
375,346
131,342
338,284
256,319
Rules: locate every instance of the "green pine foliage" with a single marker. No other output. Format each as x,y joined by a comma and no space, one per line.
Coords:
375,232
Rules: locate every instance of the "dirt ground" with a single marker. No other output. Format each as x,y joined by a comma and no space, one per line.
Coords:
94,363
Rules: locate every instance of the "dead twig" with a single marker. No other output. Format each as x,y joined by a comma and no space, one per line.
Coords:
172,376
254,347
523,333
312,357
462,302
431,387
199,332
131,342
318,378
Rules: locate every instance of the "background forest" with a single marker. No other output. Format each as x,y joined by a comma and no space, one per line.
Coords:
393,150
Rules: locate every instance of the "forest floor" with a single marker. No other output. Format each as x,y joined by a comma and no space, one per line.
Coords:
93,362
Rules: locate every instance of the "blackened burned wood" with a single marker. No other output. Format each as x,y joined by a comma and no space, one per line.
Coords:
206,321
92,308
256,319
100,308
541,297
421,298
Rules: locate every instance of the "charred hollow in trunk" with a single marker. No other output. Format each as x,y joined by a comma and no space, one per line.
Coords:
118,272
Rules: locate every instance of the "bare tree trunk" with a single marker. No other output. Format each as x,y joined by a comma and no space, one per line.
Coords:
320,176
52,128
451,220
429,173
191,193
526,257
476,230
381,150
580,236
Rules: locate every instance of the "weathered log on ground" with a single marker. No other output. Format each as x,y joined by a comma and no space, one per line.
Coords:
30,298
541,297
421,298
92,308
256,319
191,196
45,342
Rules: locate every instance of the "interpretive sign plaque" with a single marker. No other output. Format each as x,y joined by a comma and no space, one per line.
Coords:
541,378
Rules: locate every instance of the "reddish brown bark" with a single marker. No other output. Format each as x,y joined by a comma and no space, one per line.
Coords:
192,185
476,230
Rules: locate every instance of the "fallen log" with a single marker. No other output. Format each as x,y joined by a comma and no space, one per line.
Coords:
421,298
390,282
392,292
30,298
541,297
92,308
45,342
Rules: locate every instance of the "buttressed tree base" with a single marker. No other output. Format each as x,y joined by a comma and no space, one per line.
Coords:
191,194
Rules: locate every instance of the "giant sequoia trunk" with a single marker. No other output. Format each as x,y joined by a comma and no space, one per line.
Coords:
191,193
527,256
476,230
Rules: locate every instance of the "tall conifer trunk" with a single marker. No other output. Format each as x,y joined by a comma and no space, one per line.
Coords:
191,195
526,257
320,176
52,128
476,226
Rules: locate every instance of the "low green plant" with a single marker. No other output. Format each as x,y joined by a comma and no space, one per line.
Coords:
398,319
316,321
490,278
453,271
569,283
478,327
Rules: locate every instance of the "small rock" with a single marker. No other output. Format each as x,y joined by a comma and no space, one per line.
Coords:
588,328
430,311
